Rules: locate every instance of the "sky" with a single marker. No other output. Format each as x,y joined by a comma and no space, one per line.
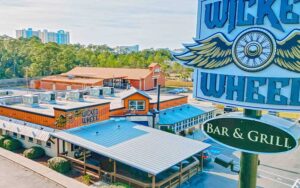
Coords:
149,23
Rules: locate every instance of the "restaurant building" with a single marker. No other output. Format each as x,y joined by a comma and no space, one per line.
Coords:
109,136
85,77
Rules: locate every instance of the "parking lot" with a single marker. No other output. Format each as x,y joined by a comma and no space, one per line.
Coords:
275,171
13,175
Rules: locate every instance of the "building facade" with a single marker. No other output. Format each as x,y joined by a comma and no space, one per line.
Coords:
184,119
85,77
60,37
111,129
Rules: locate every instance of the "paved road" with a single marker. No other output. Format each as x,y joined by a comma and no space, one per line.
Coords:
13,175
275,171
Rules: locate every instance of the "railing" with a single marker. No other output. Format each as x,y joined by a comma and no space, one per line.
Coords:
170,182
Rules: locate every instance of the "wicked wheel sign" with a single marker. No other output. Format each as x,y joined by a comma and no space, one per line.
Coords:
247,54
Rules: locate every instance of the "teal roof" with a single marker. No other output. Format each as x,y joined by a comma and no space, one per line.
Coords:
108,133
177,114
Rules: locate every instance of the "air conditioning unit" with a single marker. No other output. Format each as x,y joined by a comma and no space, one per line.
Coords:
31,100
48,97
97,92
5,93
109,91
74,96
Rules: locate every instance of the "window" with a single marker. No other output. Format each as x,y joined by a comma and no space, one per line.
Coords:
30,139
15,135
22,137
137,105
39,142
48,144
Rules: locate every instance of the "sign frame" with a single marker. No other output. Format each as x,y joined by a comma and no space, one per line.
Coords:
290,128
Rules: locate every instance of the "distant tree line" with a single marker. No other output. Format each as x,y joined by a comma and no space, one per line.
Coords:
19,57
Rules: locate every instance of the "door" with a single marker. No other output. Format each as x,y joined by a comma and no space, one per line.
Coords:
155,82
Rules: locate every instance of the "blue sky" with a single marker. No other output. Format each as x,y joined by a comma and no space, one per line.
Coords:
150,23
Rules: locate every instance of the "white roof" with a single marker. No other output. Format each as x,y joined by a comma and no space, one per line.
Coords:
144,148
24,128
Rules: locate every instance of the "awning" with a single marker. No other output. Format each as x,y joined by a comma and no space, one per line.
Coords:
25,128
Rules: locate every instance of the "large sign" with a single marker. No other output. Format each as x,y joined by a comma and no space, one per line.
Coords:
267,135
247,53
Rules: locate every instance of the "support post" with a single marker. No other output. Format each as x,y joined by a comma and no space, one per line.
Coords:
57,147
64,147
84,161
115,170
249,161
99,173
201,162
153,181
180,174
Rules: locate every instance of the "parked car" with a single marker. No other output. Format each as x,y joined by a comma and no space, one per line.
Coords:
228,109
178,90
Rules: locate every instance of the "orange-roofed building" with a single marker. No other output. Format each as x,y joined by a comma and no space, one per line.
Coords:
82,77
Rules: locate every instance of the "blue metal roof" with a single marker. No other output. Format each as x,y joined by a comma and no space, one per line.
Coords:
108,133
174,115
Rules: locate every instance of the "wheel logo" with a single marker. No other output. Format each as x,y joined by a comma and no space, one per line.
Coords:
254,50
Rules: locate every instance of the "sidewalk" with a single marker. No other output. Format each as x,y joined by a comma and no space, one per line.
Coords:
42,170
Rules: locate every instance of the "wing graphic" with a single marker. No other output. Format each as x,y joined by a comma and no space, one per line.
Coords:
288,52
210,53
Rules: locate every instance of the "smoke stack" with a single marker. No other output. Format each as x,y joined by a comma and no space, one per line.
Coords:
158,97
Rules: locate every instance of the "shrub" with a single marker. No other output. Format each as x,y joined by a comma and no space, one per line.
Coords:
122,185
34,152
12,144
191,132
59,164
86,179
2,138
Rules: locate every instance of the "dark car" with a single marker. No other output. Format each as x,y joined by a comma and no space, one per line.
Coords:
228,109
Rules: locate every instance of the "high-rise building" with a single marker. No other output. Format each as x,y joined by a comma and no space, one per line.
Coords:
127,49
60,37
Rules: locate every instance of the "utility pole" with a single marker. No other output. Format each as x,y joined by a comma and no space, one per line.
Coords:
249,161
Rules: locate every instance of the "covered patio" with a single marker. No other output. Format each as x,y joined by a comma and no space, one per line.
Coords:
122,151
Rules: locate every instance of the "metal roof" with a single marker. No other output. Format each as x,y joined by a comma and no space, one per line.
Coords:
144,148
177,114
24,128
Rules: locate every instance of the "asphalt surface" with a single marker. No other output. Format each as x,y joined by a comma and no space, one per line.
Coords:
13,175
275,171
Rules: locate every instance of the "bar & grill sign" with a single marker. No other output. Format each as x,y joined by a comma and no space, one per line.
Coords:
267,135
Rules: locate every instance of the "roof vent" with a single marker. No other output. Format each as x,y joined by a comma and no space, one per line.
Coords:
108,91
97,92
75,96
48,97
71,76
31,100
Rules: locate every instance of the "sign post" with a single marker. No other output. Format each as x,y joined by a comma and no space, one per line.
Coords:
249,161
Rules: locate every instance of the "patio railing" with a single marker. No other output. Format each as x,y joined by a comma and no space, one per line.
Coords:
170,182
